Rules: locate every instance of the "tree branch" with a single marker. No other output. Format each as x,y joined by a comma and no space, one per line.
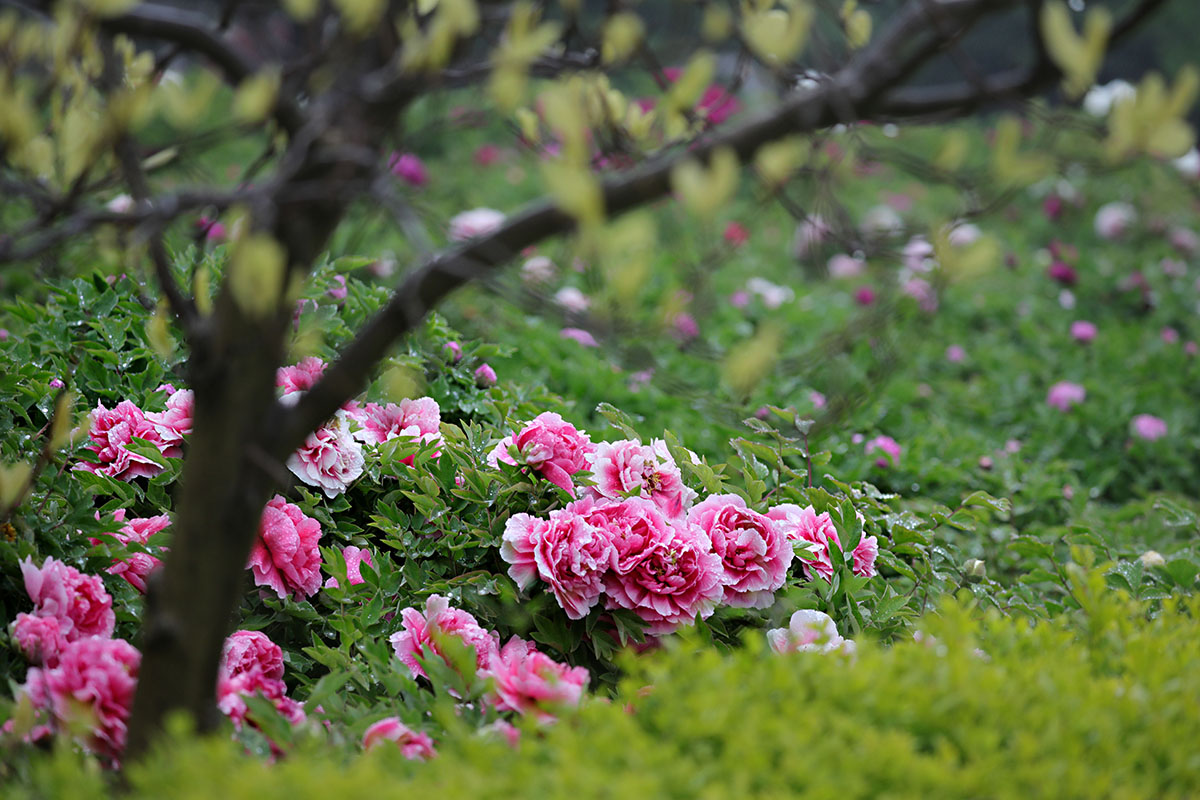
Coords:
901,47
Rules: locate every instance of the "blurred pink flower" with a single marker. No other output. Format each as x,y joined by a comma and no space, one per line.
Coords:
1063,273
300,377
1169,335
285,556
408,168
579,335
247,651
78,602
475,223
686,327
816,398
842,266
528,681
40,639
453,352
1065,394
864,295
886,445
232,692
955,354
1113,220
1148,427
487,154
338,290
413,745
417,639
736,234
1083,331
739,299
90,689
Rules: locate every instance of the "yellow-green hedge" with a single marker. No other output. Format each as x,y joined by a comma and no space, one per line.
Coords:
1103,704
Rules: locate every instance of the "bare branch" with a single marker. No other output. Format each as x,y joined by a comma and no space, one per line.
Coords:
896,53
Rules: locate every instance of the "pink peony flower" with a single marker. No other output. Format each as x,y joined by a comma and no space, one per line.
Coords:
1052,207
552,446
79,602
92,685
864,556
300,377
685,326
528,681
1148,427
330,458
136,569
579,335
338,291
572,299
736,234
40,639
355,557
806,528
886,445
111,433
408,168
1083,331
503,729
475,223
628,468
251,651
418,639
1065,394
487,154
1063,273
175,422
212,230
1184,240
667,574
842,267
485,376
1113,220
415,746
754,551
564,551
808,631
232,691
416,419
138,529
923,292
285,556
809,234
538,269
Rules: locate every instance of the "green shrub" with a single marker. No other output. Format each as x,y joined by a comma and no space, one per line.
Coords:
1096,704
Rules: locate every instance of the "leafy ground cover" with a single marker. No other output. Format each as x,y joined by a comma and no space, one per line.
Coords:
903,396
